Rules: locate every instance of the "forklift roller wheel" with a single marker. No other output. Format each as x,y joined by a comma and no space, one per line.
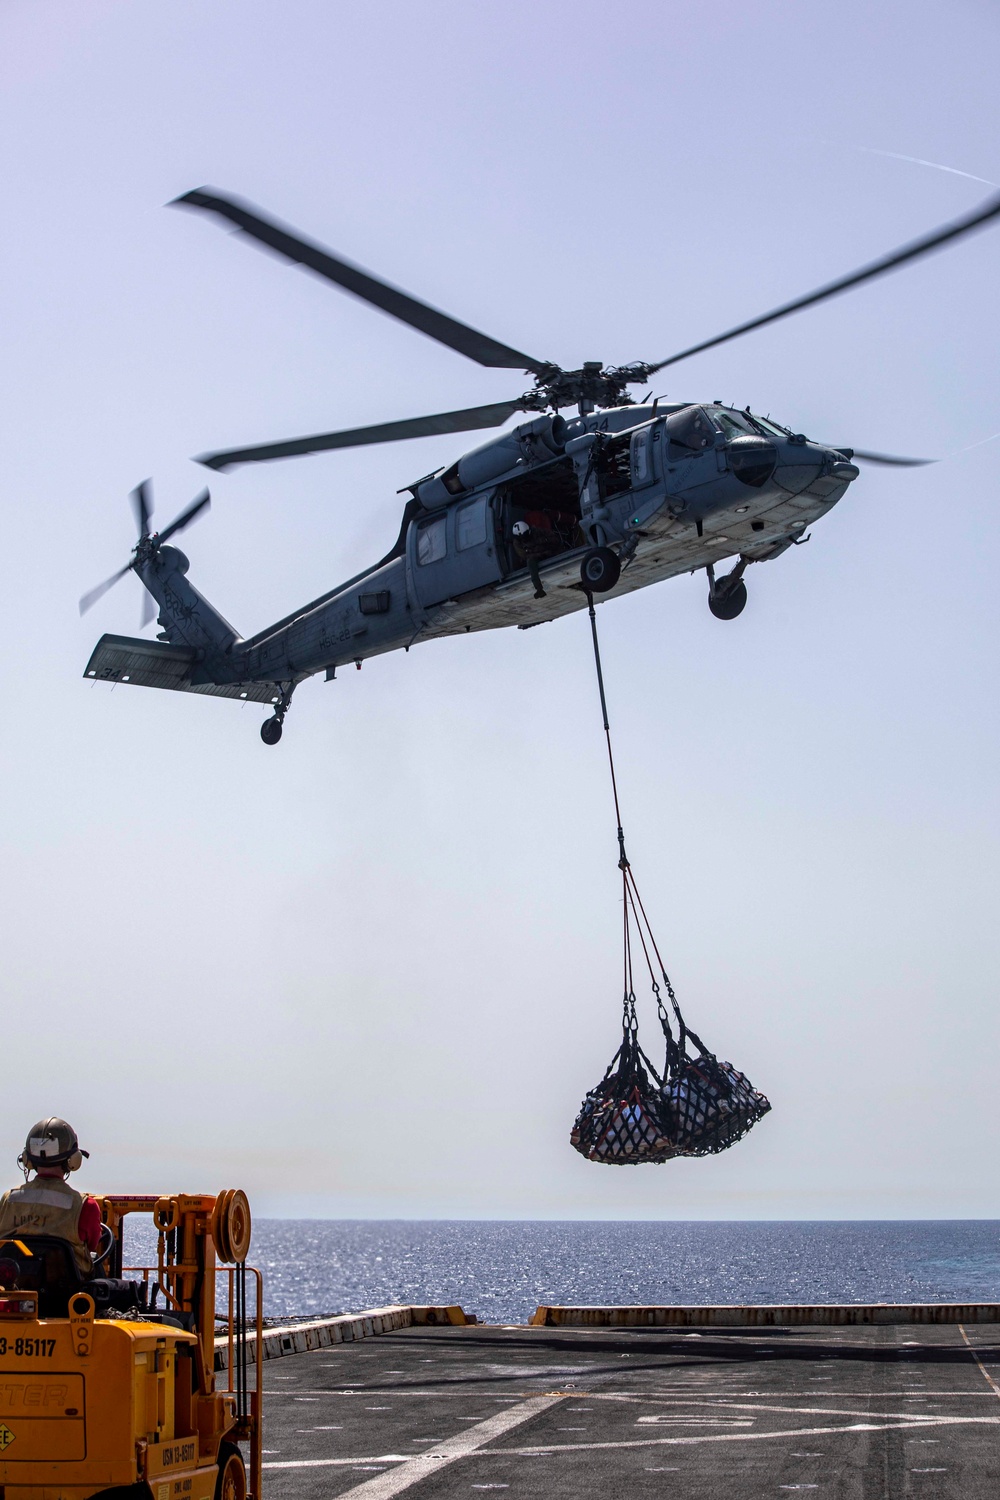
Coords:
232,1481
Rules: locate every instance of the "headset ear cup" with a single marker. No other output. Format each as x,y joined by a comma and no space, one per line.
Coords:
75,1162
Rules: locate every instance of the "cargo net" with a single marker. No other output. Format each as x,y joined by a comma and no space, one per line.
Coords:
621,1121
710,1104
698,1107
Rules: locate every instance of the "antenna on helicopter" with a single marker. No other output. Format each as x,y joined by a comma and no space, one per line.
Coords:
147,545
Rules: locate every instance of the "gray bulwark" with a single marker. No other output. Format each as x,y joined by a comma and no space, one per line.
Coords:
778,1315
120,658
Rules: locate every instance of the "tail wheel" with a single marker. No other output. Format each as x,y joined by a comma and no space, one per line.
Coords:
232,1481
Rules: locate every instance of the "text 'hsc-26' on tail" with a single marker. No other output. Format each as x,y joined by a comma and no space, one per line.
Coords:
525,528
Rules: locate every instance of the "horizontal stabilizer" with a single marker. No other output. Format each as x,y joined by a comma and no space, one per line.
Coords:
121,658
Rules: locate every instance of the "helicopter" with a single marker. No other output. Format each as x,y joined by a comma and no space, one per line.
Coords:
530,526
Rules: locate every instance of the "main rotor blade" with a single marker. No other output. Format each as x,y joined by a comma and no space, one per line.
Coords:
891,458
356,437
148,609
398,304
928,242
186,516
91,599
142,506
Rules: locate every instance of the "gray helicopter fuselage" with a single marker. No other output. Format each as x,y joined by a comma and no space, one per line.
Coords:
670,488
677,513
529,526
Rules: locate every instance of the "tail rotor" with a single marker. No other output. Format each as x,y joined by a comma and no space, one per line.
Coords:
142,506
148,544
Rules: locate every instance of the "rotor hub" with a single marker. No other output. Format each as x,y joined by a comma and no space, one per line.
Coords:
591,386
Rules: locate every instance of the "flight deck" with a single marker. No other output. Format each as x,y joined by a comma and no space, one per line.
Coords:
873,1410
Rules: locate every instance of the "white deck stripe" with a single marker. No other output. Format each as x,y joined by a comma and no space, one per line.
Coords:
581,1393
986,1374
791,1411
341,1463
381,1486
751,1437
424,1463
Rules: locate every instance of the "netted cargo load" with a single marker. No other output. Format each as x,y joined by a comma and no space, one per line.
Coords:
699,1105
707,1104
621,1120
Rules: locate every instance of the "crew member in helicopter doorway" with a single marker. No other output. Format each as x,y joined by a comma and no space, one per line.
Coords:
540,534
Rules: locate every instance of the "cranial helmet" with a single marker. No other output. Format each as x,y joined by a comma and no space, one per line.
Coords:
52,1143
520,528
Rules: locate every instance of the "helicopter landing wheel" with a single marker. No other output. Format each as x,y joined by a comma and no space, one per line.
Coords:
270,730
727,603
600,570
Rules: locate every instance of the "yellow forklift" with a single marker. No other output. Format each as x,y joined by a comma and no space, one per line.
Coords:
108,1381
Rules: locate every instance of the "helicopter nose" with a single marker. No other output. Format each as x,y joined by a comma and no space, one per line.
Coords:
803,463
841,469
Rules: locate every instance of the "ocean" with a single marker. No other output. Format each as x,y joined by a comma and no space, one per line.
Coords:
502,1270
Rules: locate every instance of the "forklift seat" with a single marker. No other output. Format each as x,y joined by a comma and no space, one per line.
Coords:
44,1264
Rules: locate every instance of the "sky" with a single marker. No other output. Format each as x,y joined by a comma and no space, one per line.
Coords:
373,971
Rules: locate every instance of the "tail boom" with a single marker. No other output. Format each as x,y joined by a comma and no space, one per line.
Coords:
162,664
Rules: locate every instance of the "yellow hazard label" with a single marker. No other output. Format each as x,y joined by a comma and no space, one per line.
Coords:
6,1436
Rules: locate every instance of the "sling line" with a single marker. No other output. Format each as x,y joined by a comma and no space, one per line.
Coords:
637,1113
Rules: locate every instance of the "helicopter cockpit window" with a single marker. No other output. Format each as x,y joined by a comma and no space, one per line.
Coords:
770,426
690,432
470,525
432,540
733,424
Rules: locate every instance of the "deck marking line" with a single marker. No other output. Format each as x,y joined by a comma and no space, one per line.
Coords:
682,1421
985,1373
423,1461
685,1392
916,1417
381,1486
714,1404
339,1463
745,1437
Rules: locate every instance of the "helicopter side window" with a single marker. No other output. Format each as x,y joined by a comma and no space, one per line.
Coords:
432,540
470,525
689,432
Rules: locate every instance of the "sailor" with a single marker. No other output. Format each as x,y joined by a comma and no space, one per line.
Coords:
535,538
46,1204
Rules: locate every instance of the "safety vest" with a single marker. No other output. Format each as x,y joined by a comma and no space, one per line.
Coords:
45,1205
